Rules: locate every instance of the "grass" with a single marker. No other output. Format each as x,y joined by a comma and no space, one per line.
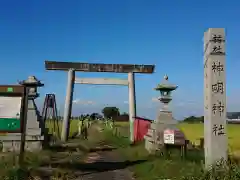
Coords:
160,167
154,167
194,132
76,151
73,126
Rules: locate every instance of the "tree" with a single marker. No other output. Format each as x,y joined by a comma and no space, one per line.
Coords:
95,116
110,112
193,119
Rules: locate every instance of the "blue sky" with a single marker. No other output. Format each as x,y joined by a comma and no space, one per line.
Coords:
166,33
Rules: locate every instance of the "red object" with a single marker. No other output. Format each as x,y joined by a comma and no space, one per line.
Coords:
141,126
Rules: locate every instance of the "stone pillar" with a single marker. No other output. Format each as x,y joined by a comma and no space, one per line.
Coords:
215,139
68,105
132,104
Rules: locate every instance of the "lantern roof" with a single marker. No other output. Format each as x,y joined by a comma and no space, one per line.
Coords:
165,85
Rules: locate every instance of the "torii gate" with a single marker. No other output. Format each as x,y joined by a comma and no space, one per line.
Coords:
72,67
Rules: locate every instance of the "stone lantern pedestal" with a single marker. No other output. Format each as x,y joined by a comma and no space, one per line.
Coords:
154,138
35,128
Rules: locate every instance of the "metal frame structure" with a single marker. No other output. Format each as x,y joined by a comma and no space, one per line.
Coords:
49,112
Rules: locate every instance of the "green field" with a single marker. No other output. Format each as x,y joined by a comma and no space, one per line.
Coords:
191,167
193,132
73,126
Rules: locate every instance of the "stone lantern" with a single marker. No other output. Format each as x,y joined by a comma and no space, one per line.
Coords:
33,83
35,128
154,137
165,89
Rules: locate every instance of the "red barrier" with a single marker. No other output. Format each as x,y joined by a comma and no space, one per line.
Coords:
141,126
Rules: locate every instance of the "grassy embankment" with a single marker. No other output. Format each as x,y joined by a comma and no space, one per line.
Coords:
157,167
76,152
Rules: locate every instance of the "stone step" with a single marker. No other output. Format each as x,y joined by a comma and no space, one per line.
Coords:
156,125
29,132
150,134
34,131
148,138
150,131
17,137
14,146
149,146
161,126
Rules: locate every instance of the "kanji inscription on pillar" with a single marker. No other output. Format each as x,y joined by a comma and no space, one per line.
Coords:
214,96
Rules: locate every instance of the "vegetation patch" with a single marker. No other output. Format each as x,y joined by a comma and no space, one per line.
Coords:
173,167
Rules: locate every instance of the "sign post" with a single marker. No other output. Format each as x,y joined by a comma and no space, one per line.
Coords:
13,112
11,108
168,136
24,124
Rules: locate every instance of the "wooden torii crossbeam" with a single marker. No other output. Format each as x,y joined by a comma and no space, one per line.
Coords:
93,67
71,67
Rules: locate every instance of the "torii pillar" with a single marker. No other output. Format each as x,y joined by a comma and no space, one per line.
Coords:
71,67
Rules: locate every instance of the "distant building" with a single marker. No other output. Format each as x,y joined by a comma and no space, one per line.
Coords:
122,118
233,117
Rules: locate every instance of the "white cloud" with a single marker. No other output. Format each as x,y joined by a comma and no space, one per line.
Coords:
125,102
186,104
155,99
83,102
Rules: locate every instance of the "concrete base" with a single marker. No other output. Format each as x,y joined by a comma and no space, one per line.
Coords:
154,137
14,146
152,146
35,131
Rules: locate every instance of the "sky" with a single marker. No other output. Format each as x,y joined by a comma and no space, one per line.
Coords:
168,34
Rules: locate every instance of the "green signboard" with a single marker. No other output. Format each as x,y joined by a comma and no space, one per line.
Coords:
10,108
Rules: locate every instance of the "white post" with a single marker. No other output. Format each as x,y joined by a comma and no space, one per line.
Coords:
132,104
215,137
68,105
79,127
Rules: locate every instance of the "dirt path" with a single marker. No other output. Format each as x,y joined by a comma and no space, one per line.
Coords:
101,162
104,165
